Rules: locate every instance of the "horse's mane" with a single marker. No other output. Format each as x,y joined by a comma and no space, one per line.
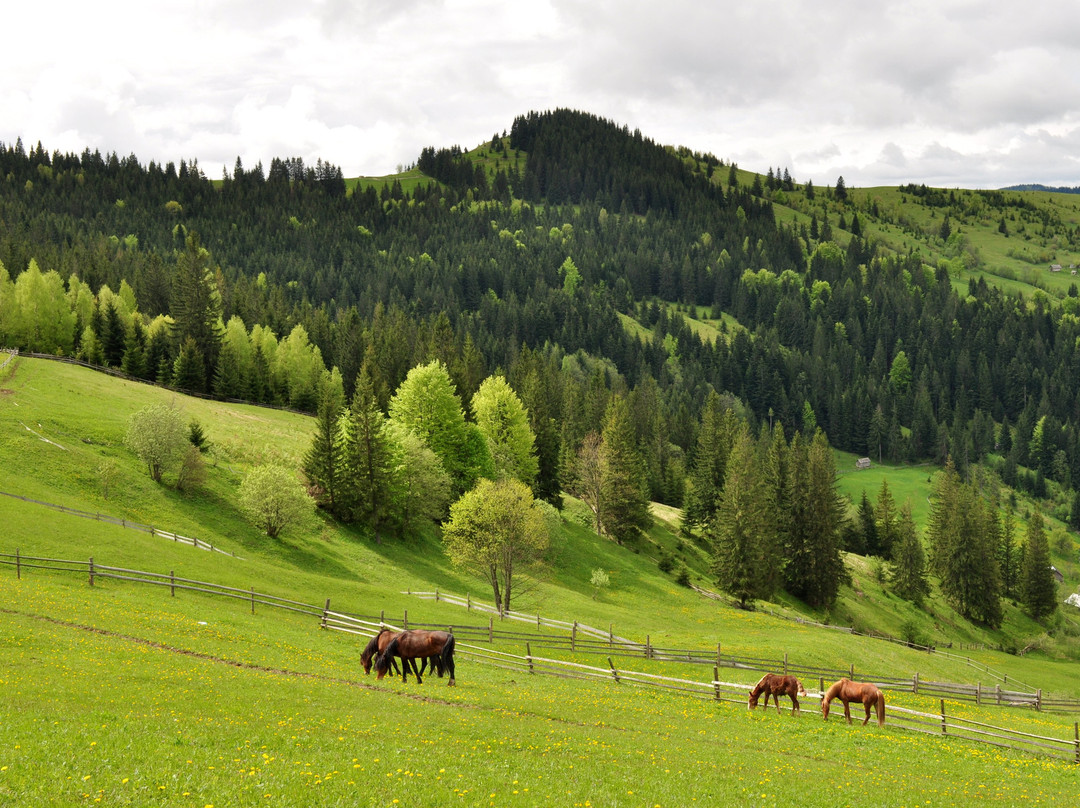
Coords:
382,661
373,646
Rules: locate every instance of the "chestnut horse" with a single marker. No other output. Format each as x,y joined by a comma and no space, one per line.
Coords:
775,685
849,691
383,639
417,644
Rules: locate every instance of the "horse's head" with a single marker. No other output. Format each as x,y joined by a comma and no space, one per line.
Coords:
753,700
370,650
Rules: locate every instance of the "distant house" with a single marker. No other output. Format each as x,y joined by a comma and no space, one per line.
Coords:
1057,574
862,463
1055,267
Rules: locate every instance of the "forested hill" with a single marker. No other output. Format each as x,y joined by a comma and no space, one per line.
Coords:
565,254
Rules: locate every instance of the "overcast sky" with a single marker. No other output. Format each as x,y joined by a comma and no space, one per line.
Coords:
956,93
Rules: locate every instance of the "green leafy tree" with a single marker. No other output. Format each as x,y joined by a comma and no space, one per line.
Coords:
1038,591
504,423
588,480
421,486
39,317
496,529
273,499
158,437
426,404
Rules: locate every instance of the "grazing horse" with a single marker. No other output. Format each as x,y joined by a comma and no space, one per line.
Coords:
775,685
849,691
377,644
417,644
383,639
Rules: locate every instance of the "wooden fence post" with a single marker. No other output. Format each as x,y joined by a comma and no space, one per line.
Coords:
648,647
18,565
915,683
172,583
821,686
573,637
785,663
944,729
91,570
997,693
718,663
253,600
978,694
405,621
382,616
436,594
491,629
851,672
1038,699
468,602
611,635
538,619
326,609
1076,742
528,656
716,682
614,672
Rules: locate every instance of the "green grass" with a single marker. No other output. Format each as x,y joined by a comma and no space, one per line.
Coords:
237,706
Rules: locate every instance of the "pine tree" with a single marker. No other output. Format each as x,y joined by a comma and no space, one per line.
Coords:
885,518
1038,592
323,462
189,370
740,530
624,491
815,568
368,458
908,571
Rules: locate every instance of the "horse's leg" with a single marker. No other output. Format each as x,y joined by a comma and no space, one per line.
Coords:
868,705
450,668
847,709
795,704
419,681
776,702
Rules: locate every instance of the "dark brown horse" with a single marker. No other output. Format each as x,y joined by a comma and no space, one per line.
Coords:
383,639
417,644
376,645
775,685
863,692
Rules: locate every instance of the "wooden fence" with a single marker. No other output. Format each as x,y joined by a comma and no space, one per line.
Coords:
12,353
573,637
588,640
127,523
1065,749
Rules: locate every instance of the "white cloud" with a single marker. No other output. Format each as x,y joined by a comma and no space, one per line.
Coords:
970,92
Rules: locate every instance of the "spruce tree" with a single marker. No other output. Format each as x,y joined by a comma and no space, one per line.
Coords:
885,519
322,463
368,458
1038,592
740,530
908,571
623,486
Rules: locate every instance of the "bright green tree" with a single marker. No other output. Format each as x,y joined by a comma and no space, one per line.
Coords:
273,499
40,318
504,423
420,485
158,437
496,529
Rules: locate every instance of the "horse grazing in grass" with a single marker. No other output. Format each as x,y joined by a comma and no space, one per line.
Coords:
417,644
377,644
848,691
775,685
383,639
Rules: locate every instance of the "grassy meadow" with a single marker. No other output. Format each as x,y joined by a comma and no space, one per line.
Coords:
122,695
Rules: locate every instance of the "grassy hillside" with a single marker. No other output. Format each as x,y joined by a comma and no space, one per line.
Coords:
193,700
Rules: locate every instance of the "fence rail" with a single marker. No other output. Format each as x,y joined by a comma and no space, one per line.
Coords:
128,524
578,640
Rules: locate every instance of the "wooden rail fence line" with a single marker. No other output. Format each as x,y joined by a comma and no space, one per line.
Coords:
128,524
598,641
1064,749
610,646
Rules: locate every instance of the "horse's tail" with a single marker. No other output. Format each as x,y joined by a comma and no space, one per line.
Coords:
382,661
881,708
448,651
